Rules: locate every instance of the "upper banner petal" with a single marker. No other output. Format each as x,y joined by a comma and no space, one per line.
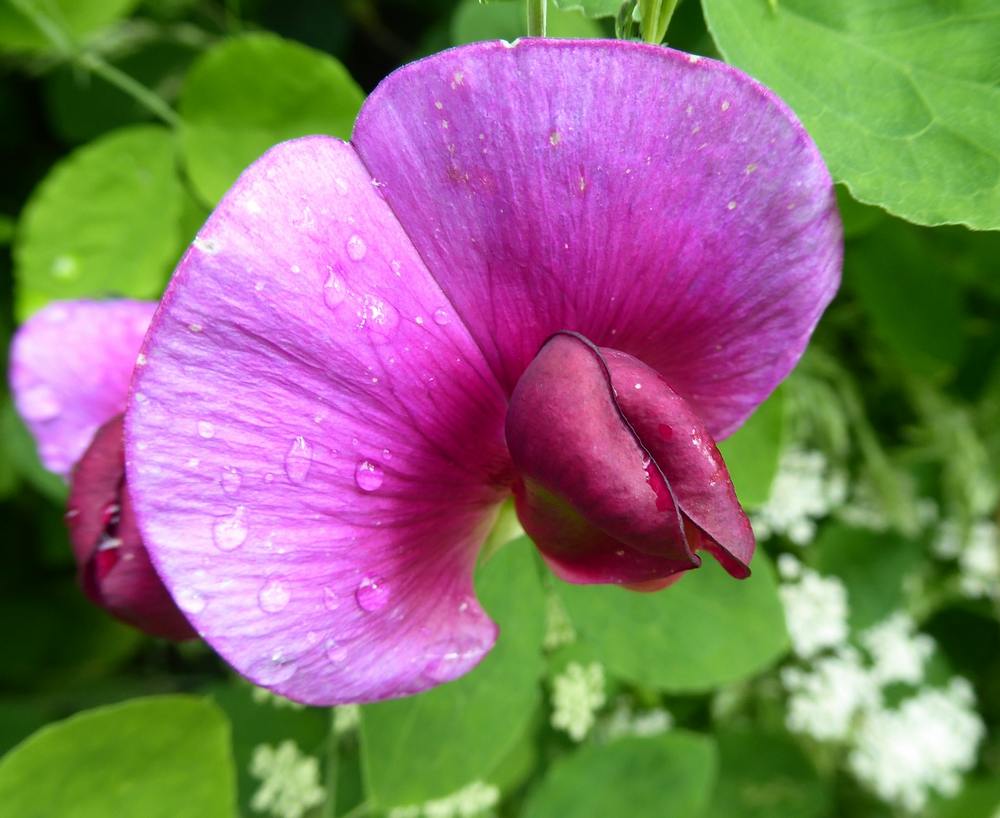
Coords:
314,443
70,366
658,203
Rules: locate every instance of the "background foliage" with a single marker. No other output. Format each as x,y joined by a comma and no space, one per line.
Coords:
872,473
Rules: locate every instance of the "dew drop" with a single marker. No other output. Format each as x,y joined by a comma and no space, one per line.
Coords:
330,599
189,600
206,429
372,594
450,659
387,454
378,316
40,403
441,317
273,596
298,460
334,652
334,291
356,247
368,475
231,532
231,480
273,669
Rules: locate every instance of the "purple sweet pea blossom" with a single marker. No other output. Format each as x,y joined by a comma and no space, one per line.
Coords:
70,366
558,271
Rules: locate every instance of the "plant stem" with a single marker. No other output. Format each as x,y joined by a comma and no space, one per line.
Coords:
95,64
654,18
332,767
537,10
149,99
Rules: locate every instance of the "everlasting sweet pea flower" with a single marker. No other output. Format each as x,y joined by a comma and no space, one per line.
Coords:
70,366
558,270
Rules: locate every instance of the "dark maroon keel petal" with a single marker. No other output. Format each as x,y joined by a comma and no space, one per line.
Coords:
619,480
113,567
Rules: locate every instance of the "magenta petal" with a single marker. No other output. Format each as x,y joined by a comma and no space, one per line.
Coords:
591,498
113,566
664,205
315,444
70,366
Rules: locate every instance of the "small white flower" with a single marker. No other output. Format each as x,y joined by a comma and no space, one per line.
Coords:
289,780
624,721
577,694
925,745
825,701
979,562
898,652
558,627
804,490
473,800
346,718
815,608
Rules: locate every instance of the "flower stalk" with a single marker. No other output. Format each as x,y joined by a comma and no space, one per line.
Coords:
537,10
654,16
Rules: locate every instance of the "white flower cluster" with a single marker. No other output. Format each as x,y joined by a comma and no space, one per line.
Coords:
902,754
475,799
263,696
625,721
925,745
815,607
289,780
346,719
804,490
577,694
978,553
559,629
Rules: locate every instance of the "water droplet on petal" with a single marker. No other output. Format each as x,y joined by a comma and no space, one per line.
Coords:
298,460
335,653
189,600
387,454
231,480
273,596
206,429
40,403
441,317
231,532
356,247
378,316
372,594
368,475
334,291
453,658
330,599
273,669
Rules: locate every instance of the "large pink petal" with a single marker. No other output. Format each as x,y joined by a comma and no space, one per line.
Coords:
660,204
70,366
314,443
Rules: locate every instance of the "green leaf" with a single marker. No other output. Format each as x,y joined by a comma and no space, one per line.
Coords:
752,453
668,775
21,454
980,798
433,744
708,629
103,222
591,8
913,301
474,21
872,565
766,775
159,757
76,18
902,98
266,721
251,92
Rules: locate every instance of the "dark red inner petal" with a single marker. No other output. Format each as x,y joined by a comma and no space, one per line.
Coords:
618,479
113,567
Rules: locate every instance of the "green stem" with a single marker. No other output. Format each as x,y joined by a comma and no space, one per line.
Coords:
655,18
537,10
150,100
332,767
95,64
